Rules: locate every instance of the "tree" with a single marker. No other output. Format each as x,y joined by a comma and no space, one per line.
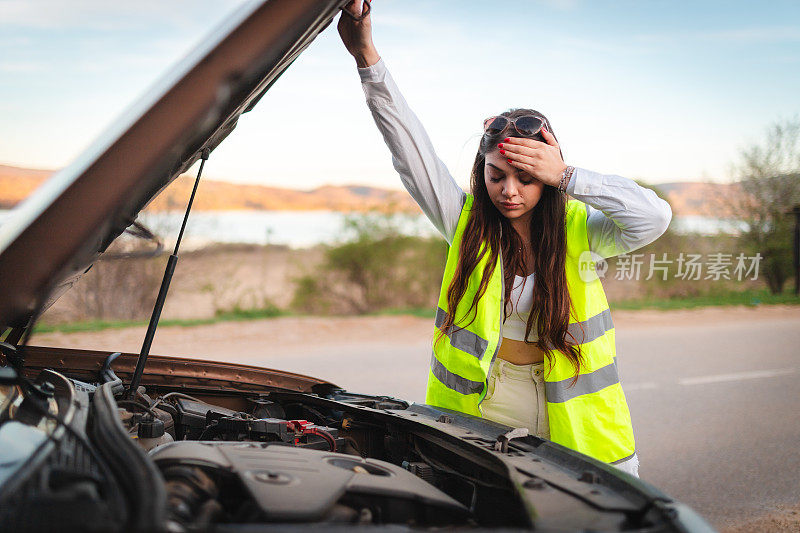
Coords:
768,183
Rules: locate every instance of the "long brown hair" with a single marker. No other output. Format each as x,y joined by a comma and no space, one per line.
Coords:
551,300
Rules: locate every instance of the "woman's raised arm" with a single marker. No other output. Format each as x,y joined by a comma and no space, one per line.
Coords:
423,174
622,216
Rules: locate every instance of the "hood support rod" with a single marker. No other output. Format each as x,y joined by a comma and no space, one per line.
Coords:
162,292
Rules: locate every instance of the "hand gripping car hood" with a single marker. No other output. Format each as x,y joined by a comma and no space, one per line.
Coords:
56,234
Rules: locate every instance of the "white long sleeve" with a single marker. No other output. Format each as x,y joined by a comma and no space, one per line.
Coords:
423,174
622,215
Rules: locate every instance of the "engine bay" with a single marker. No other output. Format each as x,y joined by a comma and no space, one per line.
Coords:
279,462
184,453
218,461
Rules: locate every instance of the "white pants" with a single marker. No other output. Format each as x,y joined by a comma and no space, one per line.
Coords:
516,398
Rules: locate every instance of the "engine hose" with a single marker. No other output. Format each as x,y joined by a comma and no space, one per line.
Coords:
322,433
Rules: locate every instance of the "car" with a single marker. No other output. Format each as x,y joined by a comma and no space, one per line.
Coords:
110,441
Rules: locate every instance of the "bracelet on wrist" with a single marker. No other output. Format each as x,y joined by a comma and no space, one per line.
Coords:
566,175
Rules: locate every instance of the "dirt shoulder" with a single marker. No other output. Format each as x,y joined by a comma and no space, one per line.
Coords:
704,316
782,520
282,335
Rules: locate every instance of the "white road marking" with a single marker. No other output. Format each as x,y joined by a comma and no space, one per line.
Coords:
640,386
738,376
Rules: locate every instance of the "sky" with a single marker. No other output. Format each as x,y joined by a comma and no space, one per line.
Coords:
658,91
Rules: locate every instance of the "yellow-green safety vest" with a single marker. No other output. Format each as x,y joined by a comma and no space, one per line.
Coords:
591,416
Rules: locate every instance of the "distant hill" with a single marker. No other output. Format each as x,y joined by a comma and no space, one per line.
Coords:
17,183
221,196
686,198
697,198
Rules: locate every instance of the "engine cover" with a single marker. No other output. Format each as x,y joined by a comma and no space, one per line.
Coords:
299,484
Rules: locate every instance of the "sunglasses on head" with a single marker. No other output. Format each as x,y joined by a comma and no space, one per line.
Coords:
526,125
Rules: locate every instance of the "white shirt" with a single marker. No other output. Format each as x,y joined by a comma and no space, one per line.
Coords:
519,304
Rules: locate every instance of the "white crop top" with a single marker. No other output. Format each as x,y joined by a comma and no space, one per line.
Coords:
520,303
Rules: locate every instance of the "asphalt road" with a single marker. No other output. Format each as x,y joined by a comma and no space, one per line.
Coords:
715,407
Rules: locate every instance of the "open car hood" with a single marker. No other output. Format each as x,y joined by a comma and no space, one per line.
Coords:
58,232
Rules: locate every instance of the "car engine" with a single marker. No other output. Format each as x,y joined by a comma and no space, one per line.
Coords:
210,460
222,465
79,451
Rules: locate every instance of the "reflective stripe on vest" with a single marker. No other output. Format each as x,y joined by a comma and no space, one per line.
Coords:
588,414
463,339
454,381
561,391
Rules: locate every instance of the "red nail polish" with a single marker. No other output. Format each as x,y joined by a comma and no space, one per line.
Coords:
503,152
500,145
508,160
506,139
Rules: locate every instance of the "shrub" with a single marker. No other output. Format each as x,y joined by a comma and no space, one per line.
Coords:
374,267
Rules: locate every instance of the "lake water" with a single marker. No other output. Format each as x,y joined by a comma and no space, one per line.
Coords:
301,229
297,229
707,225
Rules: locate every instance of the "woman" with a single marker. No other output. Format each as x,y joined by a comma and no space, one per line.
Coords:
523,331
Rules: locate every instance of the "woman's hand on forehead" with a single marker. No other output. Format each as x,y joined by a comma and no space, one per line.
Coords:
542,160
